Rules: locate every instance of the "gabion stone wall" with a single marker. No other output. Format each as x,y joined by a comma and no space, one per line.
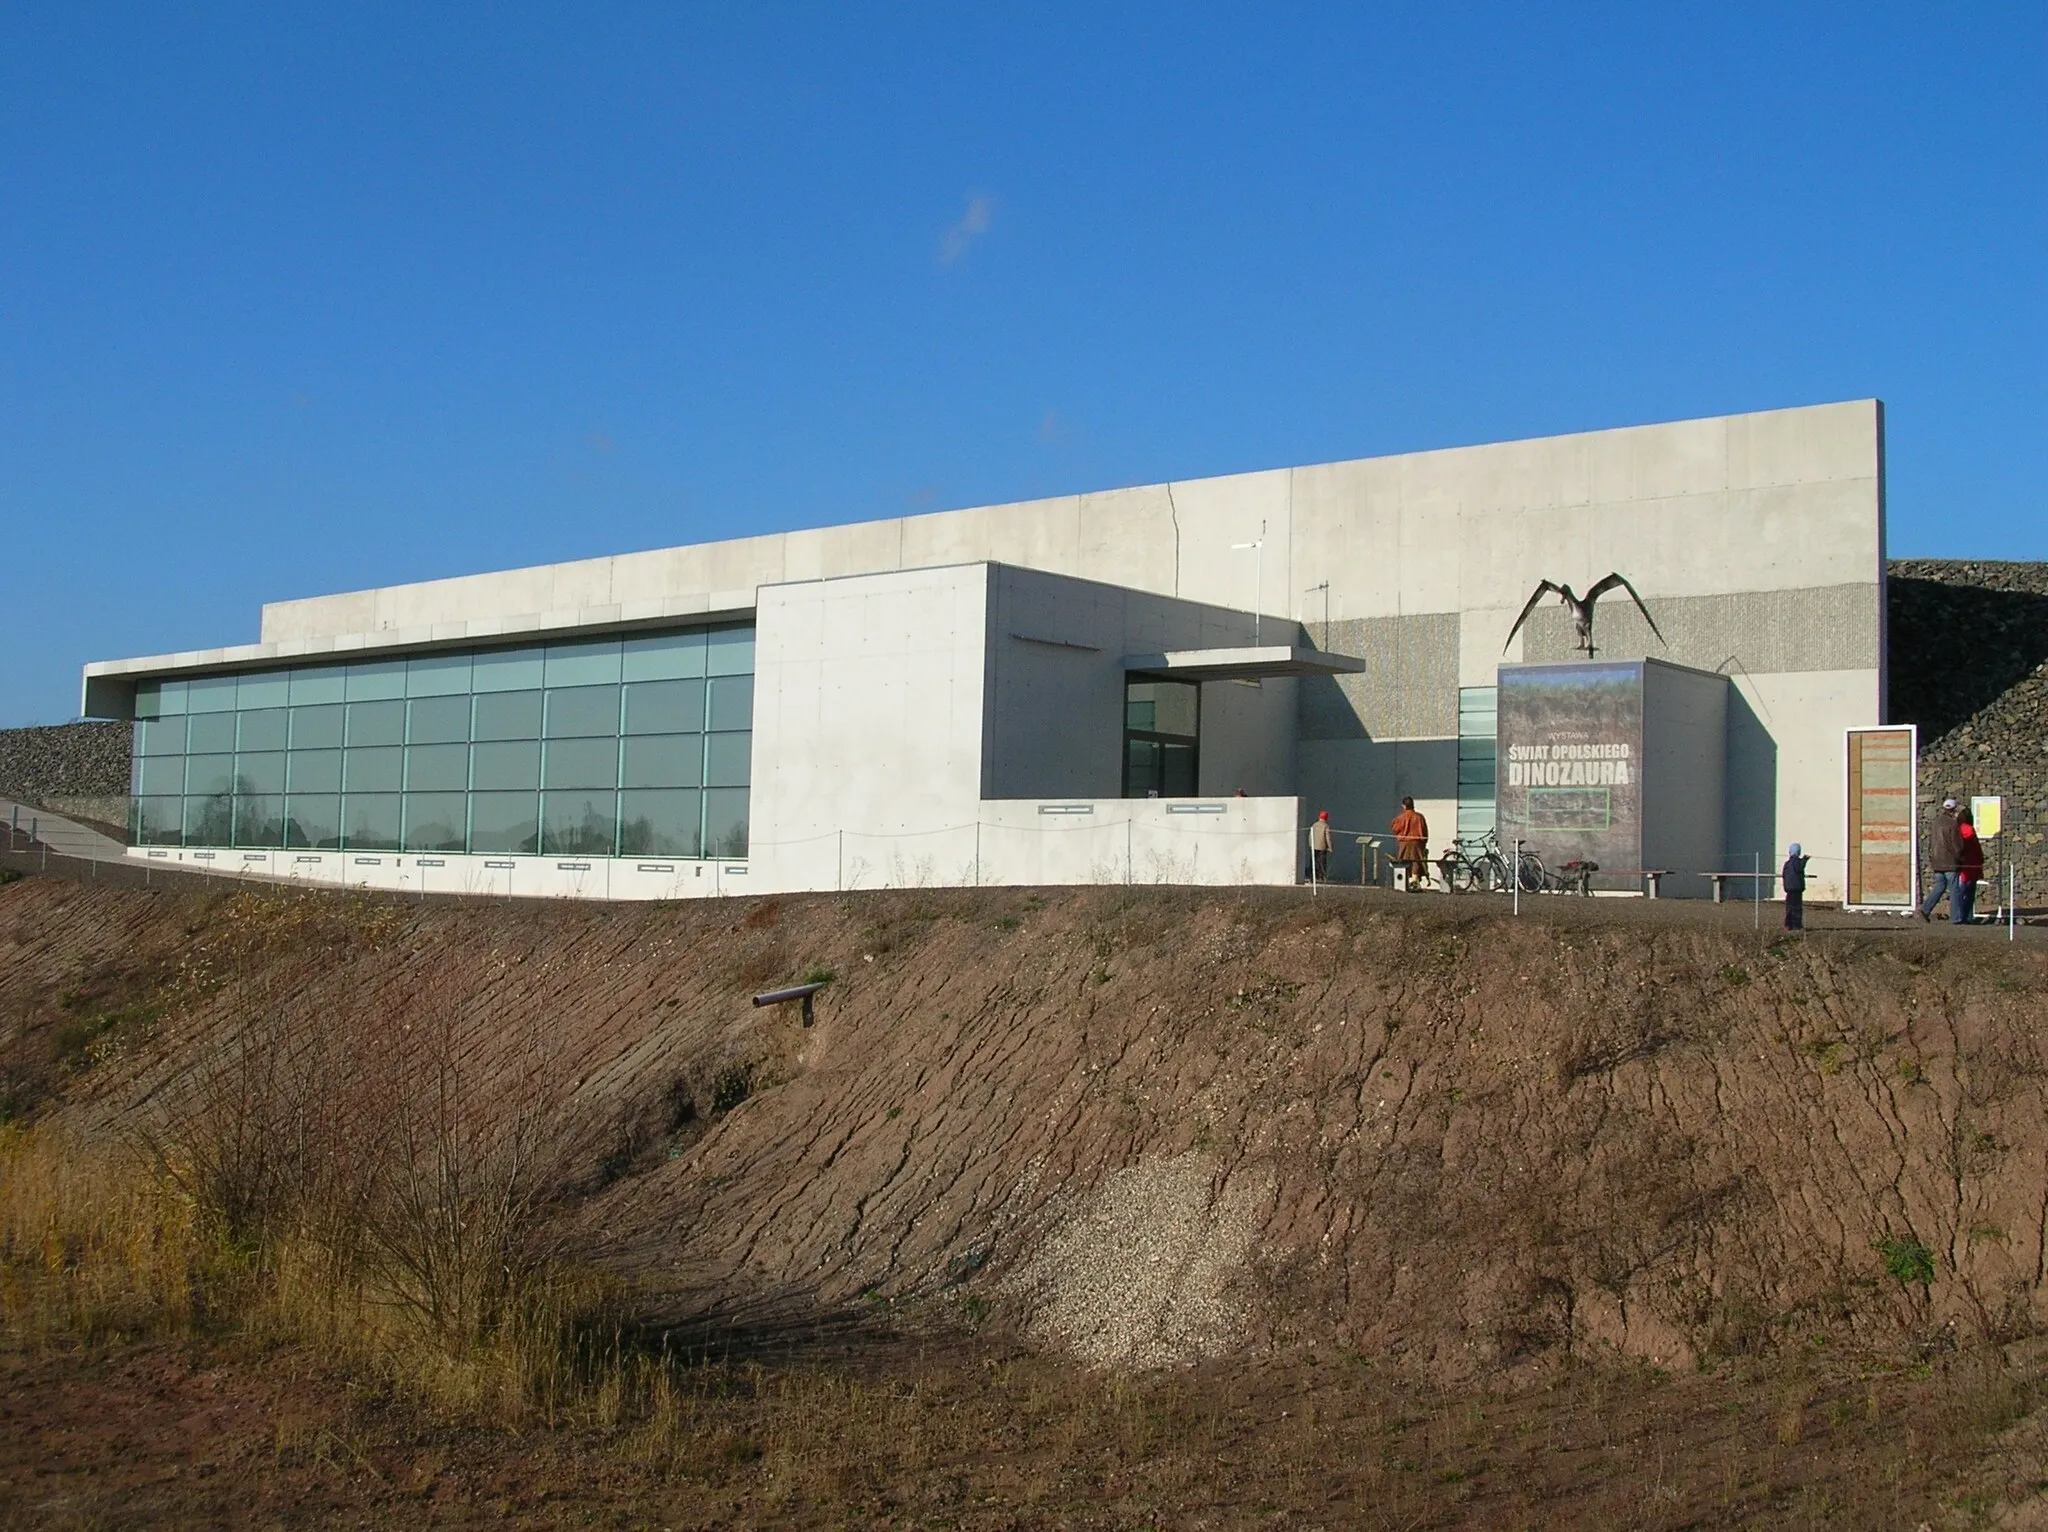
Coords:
71,760
1969,664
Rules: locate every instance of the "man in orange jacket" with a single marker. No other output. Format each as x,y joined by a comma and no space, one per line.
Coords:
1411,843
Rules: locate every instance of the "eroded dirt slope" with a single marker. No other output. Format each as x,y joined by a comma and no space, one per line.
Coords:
1154,1125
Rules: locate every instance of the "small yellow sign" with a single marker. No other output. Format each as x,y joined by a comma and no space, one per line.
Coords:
1985,814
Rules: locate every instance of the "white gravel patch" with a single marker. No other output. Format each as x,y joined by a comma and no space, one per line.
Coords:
1149,1271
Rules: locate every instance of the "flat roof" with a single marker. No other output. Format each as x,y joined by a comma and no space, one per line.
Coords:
1242,664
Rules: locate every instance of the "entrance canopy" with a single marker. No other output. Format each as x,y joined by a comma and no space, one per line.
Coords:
1242,664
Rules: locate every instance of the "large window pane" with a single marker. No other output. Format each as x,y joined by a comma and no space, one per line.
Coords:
159,821
507,670
726,759
313,771
731,652
665,657
259,819
261,730
376,723
1163,707
505,765
504,822
211,733
160,699
370,821
209,821
262,773
578,823
508,715
665,707
437,675
209,774
581,763
732,703
1177,771
318,684
437,720
160,776
162,736
210,694
373,771
666,823
664,760
583,664
725,822
436,768
435,821
316,728
312,822
383,678
583,710
264,689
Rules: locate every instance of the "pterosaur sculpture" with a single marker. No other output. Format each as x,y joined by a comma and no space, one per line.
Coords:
1582,608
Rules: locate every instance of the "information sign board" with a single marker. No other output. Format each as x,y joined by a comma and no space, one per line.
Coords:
1987,814
1882,770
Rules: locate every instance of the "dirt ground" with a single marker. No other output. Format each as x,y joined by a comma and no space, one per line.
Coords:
1108,1207
989,1434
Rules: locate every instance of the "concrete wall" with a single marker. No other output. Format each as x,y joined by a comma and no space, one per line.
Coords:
1055,724
868,705
1758,540
1685,776
1012,842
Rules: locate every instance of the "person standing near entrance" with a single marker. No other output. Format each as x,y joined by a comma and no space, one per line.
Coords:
1411,843
1319,848
1944,857
1962,903
1794,875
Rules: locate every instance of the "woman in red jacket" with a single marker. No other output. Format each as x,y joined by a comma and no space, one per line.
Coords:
1969,870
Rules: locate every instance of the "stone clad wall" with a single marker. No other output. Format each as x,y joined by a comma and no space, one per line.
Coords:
1969,664
72,760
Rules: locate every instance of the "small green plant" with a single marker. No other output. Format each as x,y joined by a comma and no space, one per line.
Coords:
1909,1072
1734,975
1008,923
817,973
732,1086
1906,1260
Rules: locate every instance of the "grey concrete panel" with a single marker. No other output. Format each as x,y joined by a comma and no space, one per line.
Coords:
1055,689
1685,761
1833,627
1408,690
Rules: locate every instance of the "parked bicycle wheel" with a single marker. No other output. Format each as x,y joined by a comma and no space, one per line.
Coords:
1533,878
1491,874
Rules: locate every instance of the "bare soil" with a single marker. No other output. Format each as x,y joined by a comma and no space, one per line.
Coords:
1107,1207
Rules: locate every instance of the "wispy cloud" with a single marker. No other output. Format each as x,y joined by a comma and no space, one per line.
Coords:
981,212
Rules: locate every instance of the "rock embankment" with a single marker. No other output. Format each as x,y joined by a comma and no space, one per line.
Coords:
1969,665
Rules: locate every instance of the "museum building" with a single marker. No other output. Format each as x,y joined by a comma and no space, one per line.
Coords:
1163,683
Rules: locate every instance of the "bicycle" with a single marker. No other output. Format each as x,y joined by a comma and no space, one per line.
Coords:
1474,864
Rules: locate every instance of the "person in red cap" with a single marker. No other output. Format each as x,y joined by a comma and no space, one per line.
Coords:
1319,848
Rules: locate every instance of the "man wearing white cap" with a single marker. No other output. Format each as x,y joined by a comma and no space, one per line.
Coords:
1944,858
1794,875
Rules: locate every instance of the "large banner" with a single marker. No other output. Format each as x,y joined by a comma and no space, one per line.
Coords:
1571,752
1882,865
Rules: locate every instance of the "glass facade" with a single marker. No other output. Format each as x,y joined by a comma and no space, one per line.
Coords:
638,746
1478,728
1162,734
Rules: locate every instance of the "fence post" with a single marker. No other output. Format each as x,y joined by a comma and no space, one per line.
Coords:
1516,873
1756,890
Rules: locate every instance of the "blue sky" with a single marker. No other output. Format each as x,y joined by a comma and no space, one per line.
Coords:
299,299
